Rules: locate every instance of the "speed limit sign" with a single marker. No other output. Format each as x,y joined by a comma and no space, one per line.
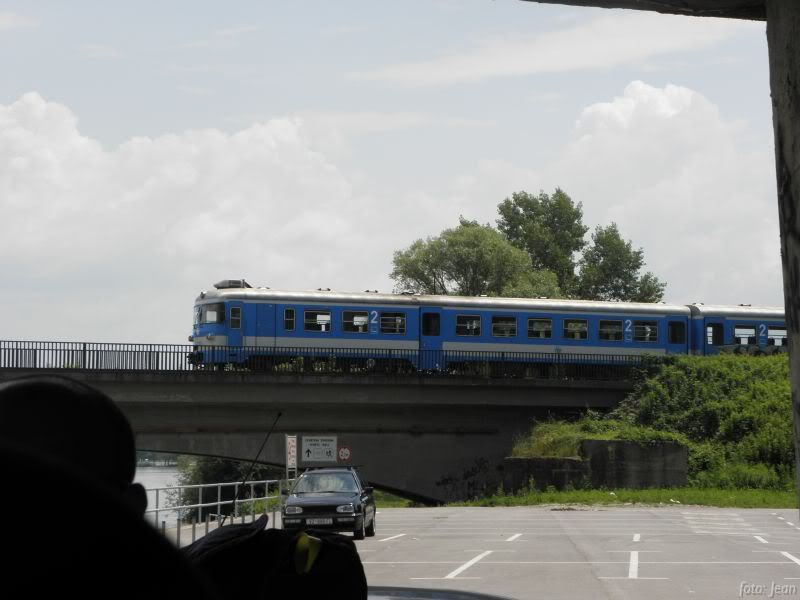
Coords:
344,454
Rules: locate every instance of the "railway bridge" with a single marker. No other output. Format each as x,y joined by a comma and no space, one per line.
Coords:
428,435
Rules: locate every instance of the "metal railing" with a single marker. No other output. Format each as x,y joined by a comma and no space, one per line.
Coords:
316,361
170,509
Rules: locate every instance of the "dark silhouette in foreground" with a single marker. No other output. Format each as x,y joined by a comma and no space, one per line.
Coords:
247,560
73,524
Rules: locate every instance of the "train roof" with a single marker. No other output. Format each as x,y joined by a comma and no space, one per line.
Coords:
745,311
485,303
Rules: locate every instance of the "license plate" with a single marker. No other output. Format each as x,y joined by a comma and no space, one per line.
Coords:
319,521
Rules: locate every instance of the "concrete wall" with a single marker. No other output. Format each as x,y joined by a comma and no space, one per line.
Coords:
618,464
603,464
519,473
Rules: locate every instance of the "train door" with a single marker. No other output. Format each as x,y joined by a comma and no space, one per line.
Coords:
430,339
714,336
235,323
677,335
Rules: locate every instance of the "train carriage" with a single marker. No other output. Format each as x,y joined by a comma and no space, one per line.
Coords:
264,329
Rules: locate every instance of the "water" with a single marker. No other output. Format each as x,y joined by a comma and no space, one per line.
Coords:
158,477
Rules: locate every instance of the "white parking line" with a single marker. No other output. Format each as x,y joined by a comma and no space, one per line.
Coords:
467,565
761,539
514,537
394,537
792,558
637,537
633,567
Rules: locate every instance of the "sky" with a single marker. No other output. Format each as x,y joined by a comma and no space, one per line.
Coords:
151,149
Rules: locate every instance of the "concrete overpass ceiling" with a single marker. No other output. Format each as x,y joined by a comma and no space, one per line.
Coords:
733,9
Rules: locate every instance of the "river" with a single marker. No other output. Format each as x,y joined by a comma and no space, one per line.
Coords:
158,477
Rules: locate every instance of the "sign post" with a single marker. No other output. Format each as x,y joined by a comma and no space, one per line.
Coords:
291,456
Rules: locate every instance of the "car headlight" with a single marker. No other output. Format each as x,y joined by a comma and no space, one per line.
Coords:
293,510
346,508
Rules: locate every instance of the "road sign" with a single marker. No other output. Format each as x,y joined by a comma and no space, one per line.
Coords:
318,449
344,454
291,451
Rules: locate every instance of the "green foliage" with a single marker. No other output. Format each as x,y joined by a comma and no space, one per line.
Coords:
610,270
735,410
562,439
468,260
548,227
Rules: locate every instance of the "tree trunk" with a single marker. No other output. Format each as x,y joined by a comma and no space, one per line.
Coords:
783,38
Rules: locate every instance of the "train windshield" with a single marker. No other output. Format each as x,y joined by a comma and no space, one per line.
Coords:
210,313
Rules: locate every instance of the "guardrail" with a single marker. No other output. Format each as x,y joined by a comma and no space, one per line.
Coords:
209,510
315,361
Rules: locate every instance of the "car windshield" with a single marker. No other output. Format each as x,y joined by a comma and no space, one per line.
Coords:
325,482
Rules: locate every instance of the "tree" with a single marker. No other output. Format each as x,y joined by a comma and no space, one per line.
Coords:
548,227
609,270
533,284
468,260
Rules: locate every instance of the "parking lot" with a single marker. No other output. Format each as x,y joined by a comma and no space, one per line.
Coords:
616,552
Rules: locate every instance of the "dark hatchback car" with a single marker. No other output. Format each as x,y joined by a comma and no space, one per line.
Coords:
330,498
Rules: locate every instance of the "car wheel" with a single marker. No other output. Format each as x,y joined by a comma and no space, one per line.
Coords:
358,534
370,531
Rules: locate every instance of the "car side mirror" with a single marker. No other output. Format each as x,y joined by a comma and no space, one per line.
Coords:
368,489
284,492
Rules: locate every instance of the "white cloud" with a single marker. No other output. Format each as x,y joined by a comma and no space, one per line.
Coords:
694,189
601,43
115,245
13,21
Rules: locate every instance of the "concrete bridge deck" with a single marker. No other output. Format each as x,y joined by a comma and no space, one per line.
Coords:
437,439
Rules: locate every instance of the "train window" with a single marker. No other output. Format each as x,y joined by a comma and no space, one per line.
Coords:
317,320
468,325
676,332
504,326
355,321
744,335
776,336
645,331
576,329
288,319
611,331
540,328
236,317
393,322
197,313
430,324
212,313
714,334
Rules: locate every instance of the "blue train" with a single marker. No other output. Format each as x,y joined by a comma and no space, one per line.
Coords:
259,328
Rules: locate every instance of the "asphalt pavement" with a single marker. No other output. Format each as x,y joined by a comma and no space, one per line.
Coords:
623,552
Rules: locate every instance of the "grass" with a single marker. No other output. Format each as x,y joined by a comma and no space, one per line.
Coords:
563,439
387,500
738,498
